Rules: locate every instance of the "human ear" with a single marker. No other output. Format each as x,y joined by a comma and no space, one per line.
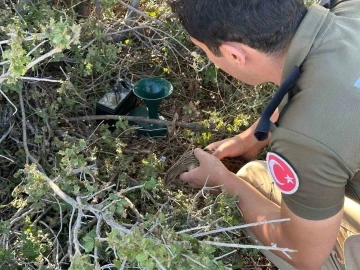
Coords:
233,52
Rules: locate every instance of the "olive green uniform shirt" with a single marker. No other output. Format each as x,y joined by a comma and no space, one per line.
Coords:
318,131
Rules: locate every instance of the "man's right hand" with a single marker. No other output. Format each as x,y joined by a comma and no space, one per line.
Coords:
244,144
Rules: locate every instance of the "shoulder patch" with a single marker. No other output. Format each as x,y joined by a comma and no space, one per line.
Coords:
357,83
282,173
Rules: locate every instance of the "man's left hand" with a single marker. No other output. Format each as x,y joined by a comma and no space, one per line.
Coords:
210,173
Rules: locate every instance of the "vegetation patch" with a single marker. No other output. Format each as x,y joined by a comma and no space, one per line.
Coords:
80,192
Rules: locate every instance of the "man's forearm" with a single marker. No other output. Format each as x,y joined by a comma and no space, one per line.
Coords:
256,208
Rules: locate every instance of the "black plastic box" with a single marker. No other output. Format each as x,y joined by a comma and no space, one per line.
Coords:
119,100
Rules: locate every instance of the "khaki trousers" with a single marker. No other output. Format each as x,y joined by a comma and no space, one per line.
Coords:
347,248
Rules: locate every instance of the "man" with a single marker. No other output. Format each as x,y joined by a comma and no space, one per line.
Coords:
314,55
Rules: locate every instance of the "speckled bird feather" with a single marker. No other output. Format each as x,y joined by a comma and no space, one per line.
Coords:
189,161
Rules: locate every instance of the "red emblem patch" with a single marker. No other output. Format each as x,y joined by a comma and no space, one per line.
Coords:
283,175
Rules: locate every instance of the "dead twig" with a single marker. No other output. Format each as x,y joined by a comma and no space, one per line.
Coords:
129,7
130,14
193,126
273,247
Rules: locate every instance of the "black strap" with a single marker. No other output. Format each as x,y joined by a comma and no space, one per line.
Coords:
325,3
263,128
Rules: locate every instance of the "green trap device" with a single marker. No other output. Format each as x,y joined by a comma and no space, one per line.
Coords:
152,91
121,99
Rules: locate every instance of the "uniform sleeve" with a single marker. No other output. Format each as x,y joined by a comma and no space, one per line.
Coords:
346,8
322,175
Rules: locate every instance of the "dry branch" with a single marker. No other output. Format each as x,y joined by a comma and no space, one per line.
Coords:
240,227
139,12
130,14
273,247
193,126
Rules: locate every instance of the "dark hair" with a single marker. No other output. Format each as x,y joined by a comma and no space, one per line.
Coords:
265,25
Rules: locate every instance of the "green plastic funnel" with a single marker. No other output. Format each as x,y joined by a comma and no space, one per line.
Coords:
152,91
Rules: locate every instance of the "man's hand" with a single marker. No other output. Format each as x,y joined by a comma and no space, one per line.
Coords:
210,173
245,144
236,146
